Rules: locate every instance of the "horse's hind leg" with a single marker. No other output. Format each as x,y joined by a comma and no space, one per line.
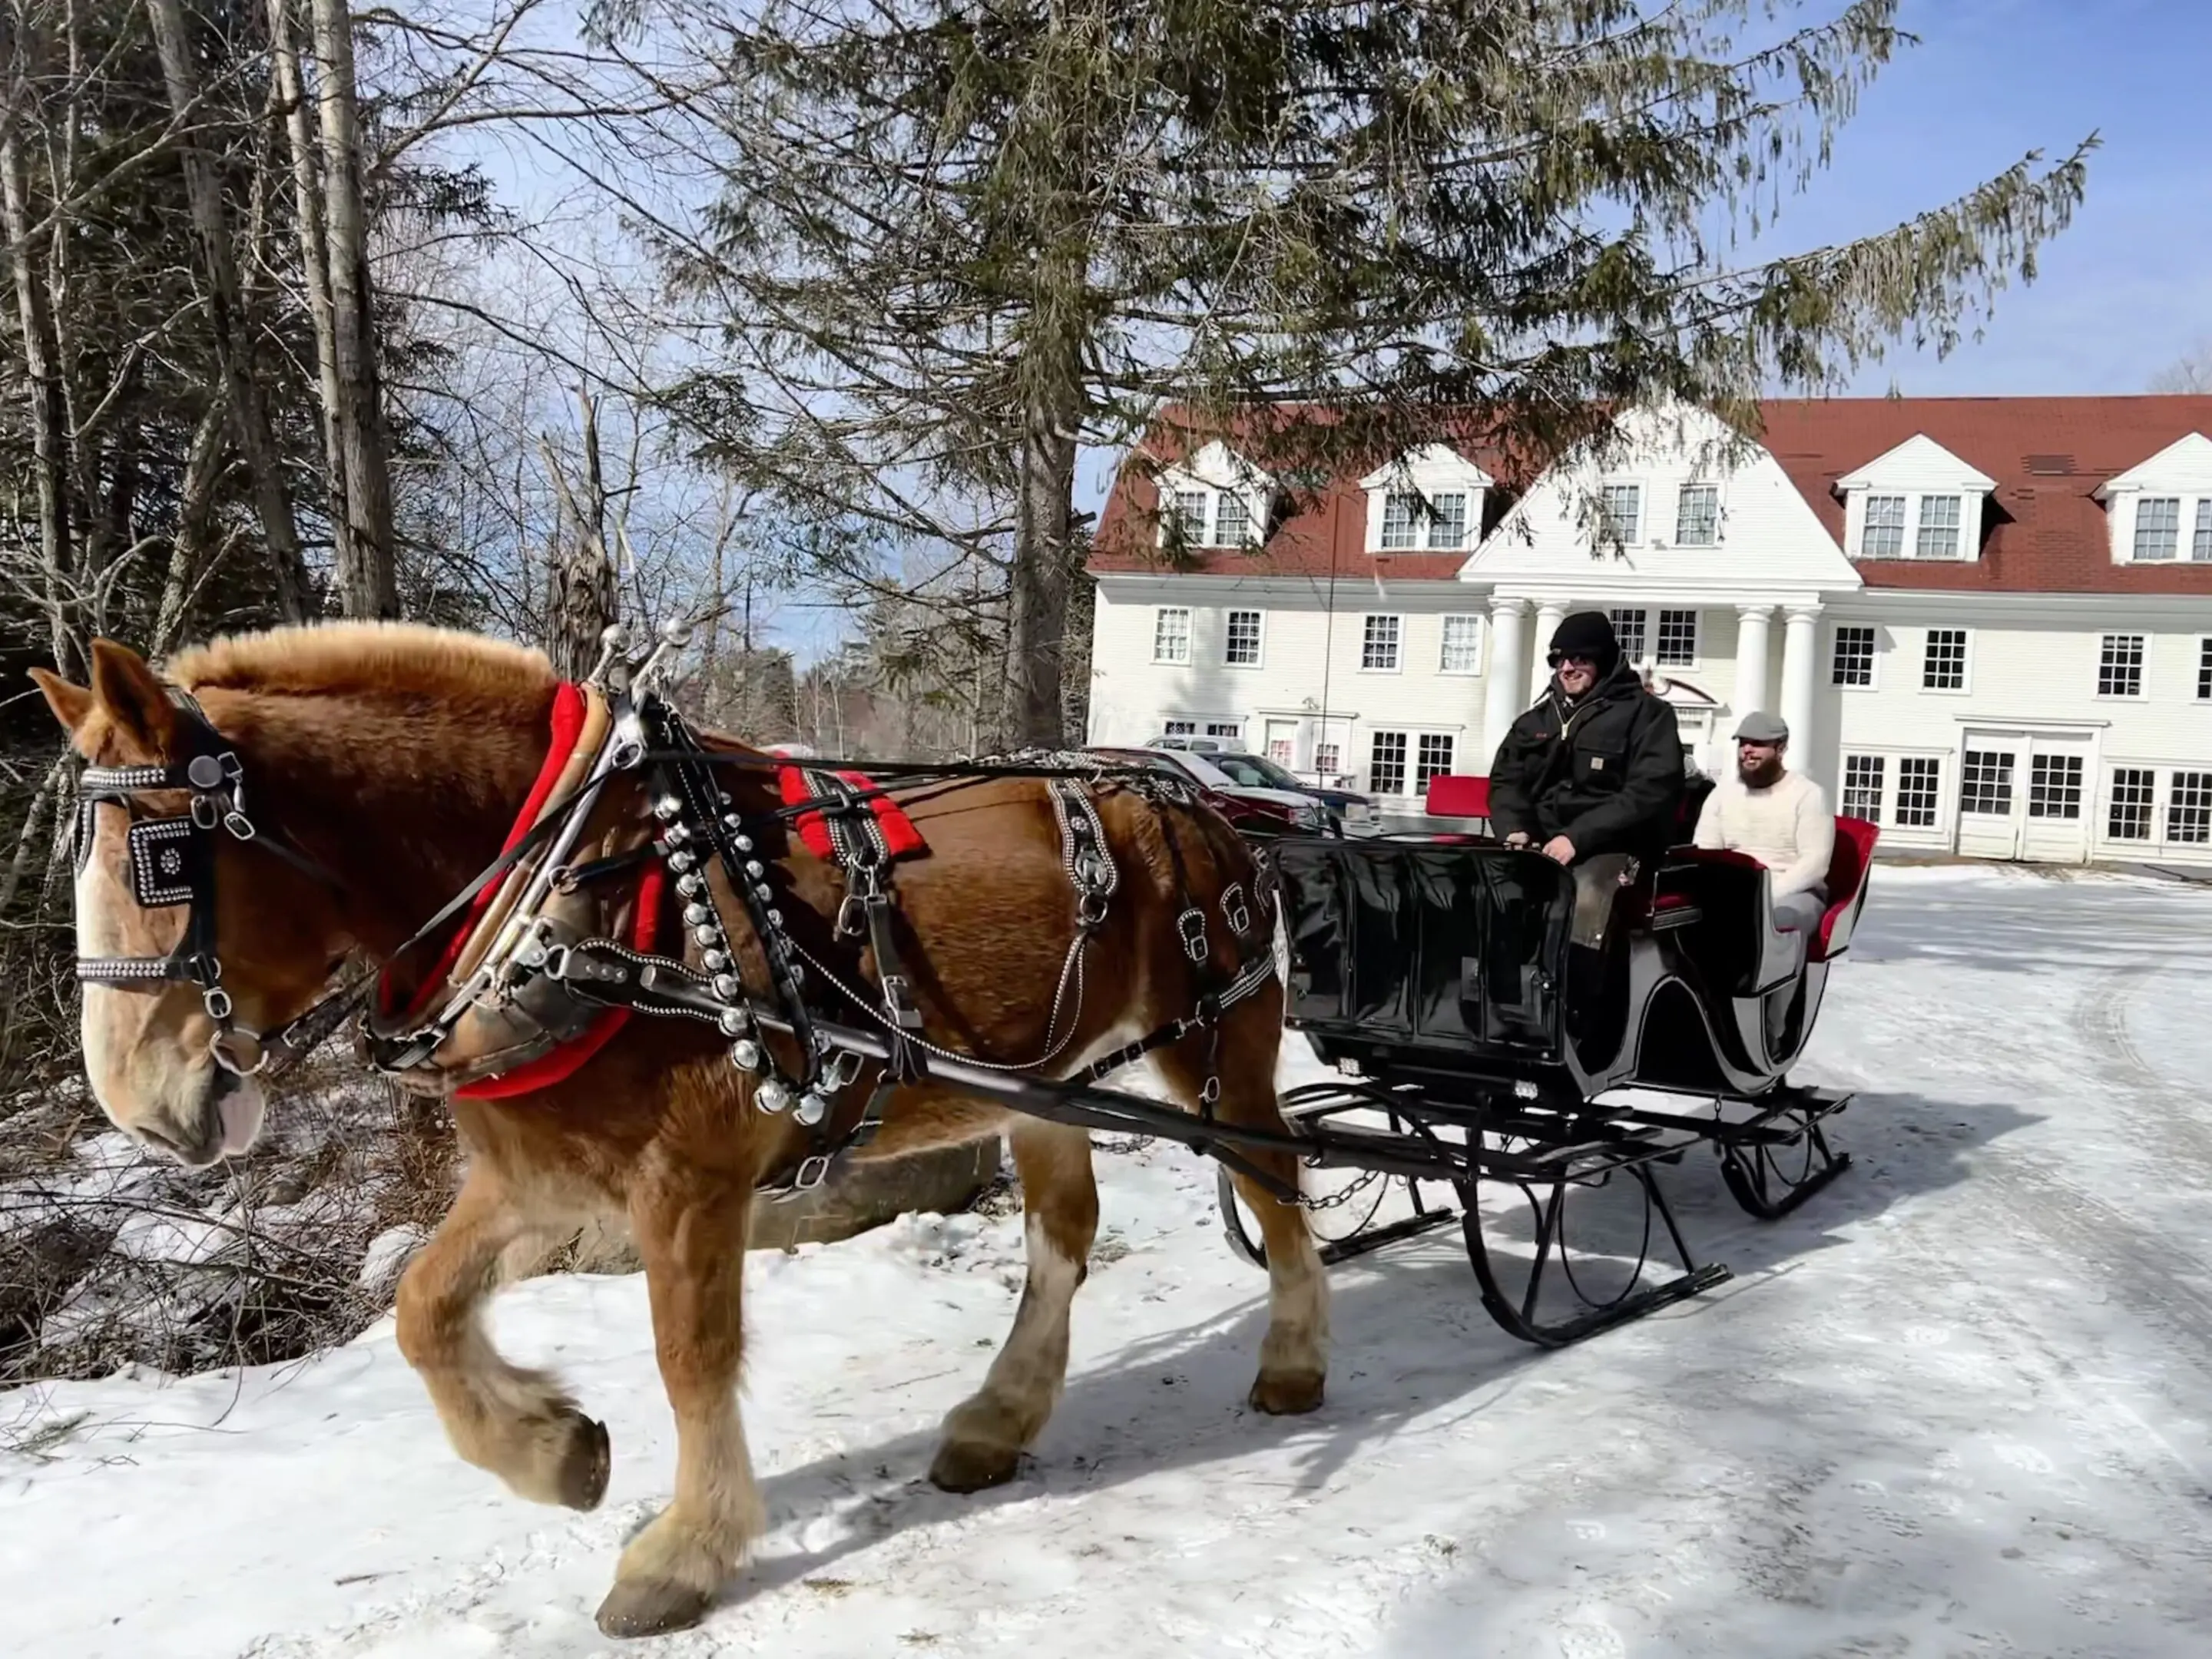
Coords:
1294,1354
690,1225
985,1434
516,1423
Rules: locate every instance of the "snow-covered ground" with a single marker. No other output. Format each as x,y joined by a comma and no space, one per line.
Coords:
1957,1405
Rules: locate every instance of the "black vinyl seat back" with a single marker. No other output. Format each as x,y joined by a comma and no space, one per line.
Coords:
1412,944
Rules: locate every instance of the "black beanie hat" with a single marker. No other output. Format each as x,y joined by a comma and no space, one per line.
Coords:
1588,634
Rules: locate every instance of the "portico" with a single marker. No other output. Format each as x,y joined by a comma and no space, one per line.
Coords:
1702,654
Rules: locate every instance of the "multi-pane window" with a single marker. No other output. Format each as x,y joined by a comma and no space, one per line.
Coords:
2135,788
1233,519
1447,521
1883,535
1678,639
1623,511
2204,670
1628,629
2054,786
1279,750
1399,514
1432,759
2200,540
1854,659
1698,516
1985,782
1172,634
1378,645
1328,759
2158,527
1386,763
1190,514
1232,729
1242,649
2120,666
1862,777
1917,780
1178,728
1943,668
2189,808
1937,536
1462,647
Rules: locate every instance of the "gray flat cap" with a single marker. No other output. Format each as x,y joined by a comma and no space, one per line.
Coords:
1759,726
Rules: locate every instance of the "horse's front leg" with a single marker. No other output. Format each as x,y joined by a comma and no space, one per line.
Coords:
985,1434
518,1424
690,1228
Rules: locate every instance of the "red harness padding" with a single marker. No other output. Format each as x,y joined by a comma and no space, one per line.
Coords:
900,837
560,1064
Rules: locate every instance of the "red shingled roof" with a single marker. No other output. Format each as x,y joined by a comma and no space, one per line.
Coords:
2043,530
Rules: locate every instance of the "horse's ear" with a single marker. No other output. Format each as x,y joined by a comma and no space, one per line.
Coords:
133,698
71,703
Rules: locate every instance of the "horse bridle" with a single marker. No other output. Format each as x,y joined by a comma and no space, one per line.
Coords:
172,863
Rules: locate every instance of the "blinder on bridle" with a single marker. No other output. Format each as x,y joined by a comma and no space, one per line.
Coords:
172,863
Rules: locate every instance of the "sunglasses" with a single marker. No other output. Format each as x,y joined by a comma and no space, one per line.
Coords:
1557,657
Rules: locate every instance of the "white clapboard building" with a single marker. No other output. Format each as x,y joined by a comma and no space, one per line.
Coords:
1988,621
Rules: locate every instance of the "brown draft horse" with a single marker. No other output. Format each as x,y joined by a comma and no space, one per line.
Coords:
398,757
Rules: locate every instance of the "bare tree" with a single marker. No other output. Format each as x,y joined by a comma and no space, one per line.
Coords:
2191,372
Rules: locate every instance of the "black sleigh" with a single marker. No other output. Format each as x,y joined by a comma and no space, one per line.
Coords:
1432,972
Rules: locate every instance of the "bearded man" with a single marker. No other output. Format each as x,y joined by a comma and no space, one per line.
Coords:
1779,817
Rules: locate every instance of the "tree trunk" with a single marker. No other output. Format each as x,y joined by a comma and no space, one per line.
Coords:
583,602
314,264
1036,616
249,410
367,572
48,409
188,551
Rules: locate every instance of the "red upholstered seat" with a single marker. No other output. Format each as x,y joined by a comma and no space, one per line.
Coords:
1847,875
1458,796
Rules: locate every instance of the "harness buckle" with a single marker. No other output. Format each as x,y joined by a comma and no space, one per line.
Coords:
219,1049
813,1170
852,917
1191,923
217,1001
898,997
238,825
205,813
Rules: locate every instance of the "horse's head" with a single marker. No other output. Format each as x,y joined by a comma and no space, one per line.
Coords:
172,1060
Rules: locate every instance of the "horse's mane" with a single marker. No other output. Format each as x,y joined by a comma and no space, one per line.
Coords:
382,660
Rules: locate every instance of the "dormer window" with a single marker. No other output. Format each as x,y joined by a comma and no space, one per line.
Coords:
1429,500
1215,498
2161,508
1881,536
1918,501
1939,528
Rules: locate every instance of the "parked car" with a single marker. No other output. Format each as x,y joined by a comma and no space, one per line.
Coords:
1348,807
1255,809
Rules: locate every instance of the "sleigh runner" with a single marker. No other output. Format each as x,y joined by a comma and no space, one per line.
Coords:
692,974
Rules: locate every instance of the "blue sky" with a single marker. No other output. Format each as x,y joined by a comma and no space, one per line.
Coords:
2128,287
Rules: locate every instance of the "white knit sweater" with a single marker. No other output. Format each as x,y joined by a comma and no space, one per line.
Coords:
1786,827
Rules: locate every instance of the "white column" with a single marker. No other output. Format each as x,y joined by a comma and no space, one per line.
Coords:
1500,703
1751,659
1540,646
1798,641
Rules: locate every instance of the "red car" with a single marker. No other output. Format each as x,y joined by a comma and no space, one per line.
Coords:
1251,809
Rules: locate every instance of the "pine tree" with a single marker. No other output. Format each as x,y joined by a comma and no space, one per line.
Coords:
956,242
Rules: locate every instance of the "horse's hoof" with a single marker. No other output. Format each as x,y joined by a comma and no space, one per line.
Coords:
586,1464
1286,1394
651,1609
972,1465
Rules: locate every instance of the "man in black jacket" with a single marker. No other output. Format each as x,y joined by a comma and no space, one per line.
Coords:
1592,775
